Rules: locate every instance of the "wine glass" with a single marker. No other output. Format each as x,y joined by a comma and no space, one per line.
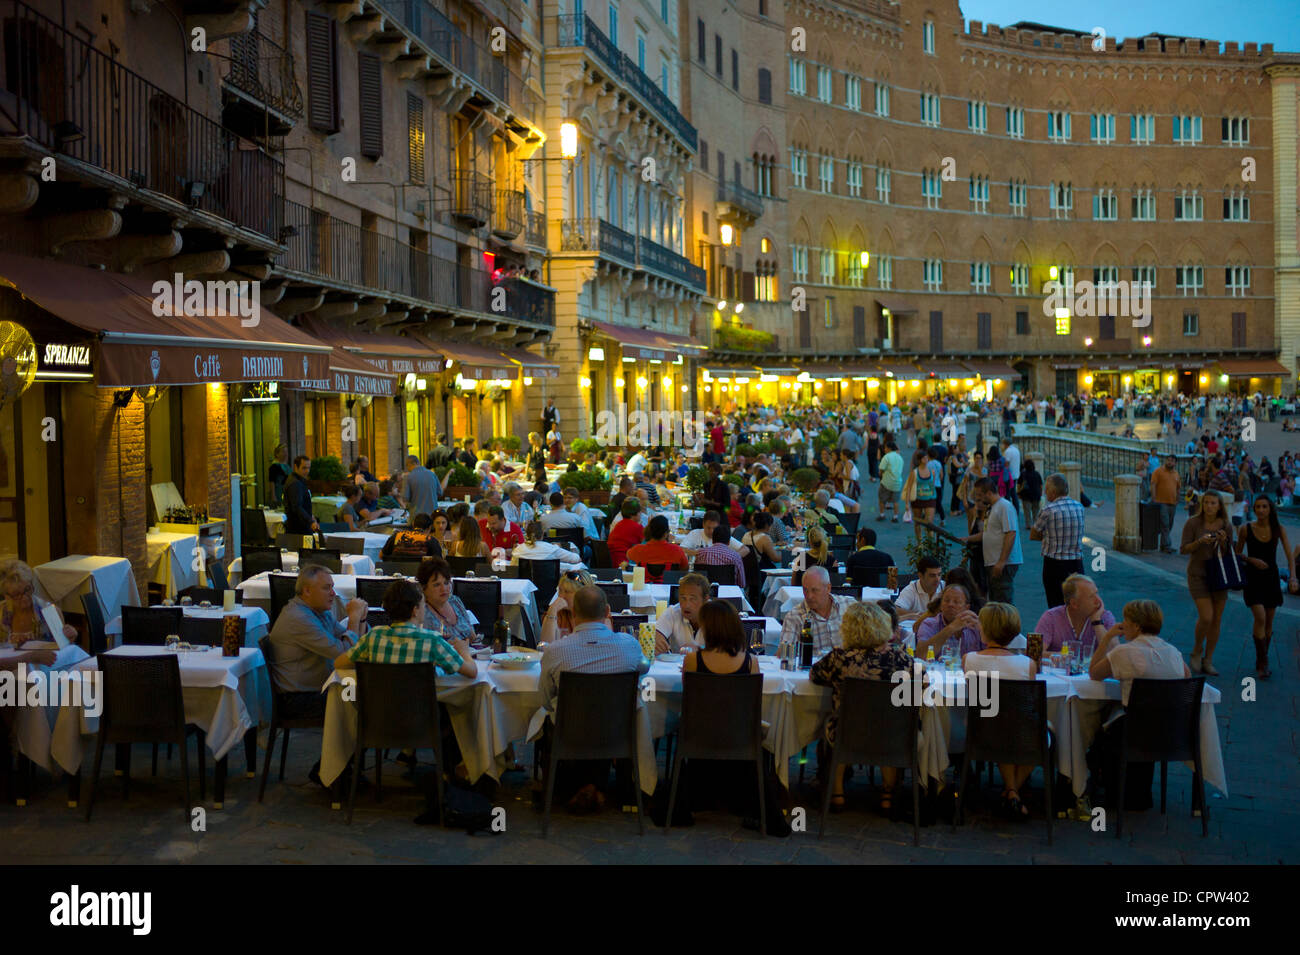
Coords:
172,642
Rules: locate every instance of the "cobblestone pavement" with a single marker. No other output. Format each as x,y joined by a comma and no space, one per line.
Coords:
1259,823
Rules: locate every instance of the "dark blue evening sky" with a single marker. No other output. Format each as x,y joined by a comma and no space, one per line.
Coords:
1254,21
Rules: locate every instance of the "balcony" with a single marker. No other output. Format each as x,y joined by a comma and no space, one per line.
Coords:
737,205
471,199
573,30
508,214
344,254
72,99
456,51
654,257
599,236
535,237
262,94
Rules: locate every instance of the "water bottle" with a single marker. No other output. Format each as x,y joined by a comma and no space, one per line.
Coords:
501,637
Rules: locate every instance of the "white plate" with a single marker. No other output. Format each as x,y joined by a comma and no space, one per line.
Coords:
671,657
515,661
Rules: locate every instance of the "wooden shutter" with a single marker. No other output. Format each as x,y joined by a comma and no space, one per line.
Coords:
764,85
859,326
415,137
984,322
1106,327
735,70
749,291
936,332
370,86
700,36
1238,329
322,73
1022,323
805,330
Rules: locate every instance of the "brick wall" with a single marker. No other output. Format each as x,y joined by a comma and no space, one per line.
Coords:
218,411
334,425
118,511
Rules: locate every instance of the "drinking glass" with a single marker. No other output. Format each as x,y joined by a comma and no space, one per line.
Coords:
950,655
172,642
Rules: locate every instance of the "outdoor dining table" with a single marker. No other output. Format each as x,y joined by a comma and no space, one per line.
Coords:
110,579
373,543
226,697
357,564
256,620
325,506
174,560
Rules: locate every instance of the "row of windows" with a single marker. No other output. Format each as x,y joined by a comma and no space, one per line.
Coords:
1185,128
845,268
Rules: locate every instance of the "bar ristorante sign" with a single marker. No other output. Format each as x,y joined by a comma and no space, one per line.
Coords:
353,383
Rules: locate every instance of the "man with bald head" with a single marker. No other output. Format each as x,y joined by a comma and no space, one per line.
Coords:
819,608
1060,528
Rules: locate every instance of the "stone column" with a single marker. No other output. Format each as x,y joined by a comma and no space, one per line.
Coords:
1210,411
1071,471
1128,535
1020,415
1128,407
1040,461
1041,413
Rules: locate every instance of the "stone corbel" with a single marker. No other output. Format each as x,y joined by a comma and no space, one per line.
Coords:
86,226
413,66
190,265
302,300
218,25
18,193
339,309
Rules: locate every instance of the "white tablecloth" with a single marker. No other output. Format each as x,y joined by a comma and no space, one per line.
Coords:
111,579
359,565
373,543
256,620
224,696
171,560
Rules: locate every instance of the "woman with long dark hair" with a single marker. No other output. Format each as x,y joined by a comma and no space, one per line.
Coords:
1205,533
1257,543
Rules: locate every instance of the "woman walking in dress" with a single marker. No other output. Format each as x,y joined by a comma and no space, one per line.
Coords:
1205,532
1257,542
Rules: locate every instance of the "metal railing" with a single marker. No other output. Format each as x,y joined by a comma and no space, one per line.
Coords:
264,71
331,249
742,198
652,255
446,41
73,99
508,213
471,197
1100,457
597,235
579,30
535,235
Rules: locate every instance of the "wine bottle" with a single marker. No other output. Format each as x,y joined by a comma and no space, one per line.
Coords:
806,645
500,636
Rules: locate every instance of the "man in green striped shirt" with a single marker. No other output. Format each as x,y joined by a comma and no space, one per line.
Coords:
404,642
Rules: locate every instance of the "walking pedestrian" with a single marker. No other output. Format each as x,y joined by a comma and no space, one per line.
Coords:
1060,528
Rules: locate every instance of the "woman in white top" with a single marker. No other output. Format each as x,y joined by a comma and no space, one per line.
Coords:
1142,655
999,625
536,547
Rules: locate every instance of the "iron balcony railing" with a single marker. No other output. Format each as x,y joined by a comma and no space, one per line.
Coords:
471,197
578,30
1100,460
446,41
745,199
71,98
536,234
597,235
328,248
263,70
508,213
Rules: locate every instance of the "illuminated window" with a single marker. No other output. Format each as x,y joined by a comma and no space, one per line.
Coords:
1062,324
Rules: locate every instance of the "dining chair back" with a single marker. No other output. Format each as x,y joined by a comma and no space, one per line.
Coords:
94,623
595,718
283,589
628,622
372,589
287,713
204,631
722,719
257,560
616,592
545,575
600,554
849,521
252,527
483,599
217,575
1162,723
673,576
460,566
150,626
872,730
199,594
294,541
562,535
608,574
326,557
407,568
755,633
718,573
335,539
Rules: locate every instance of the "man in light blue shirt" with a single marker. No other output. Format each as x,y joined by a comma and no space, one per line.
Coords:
421,488
517,510
592,647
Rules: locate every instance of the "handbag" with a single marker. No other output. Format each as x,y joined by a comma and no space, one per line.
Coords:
1223,571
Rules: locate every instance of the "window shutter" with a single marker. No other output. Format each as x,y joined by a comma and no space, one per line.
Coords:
415,137
764,85
748,290
1238,329
322,73
700,35
1106,327
370,87
859,326
805,330
1022,323
936,332
984,321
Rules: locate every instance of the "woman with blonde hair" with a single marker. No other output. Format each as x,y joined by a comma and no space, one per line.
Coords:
867,653
999,625
22,615
558,621
1205,534
469,540
818,553
536,453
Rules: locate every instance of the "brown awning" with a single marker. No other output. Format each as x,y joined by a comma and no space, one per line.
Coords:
352,375
900,372
944,369
477,362
991,369
1253,368
221,335
532,364
648,345
393,354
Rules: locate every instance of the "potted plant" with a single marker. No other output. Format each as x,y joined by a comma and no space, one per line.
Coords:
927,545
592,486
327,475
696,477
805,479
458,481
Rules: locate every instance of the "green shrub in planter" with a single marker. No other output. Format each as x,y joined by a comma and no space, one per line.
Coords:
585,480
508,442
825,439
460,476
746,449
778,446
327,468
805,479
582,446
696,477
738,480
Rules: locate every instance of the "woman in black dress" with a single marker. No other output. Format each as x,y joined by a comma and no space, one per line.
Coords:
1257,542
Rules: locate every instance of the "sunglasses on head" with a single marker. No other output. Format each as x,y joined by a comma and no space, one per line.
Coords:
573,574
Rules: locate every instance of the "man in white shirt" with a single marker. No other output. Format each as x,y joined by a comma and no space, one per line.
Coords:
517,510
679,625
702,537
637,464
1000,540
536,547
1011,455
916,596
